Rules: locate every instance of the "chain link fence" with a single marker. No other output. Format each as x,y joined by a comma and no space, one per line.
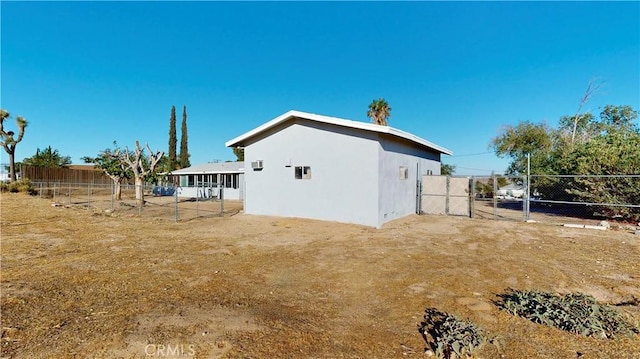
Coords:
554,199
497,197
160,202
590,198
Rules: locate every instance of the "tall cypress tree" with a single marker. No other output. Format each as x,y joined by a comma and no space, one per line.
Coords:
173,140
184,151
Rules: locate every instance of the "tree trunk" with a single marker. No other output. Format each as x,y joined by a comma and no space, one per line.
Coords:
118,189
139,182
117,186
12,166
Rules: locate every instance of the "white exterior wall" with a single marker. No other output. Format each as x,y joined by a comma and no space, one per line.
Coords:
398,197
344,173
197,192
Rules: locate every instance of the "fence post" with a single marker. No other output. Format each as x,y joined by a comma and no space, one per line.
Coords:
446,200
472,197
89,194
221,201
175,207
418,196
54,192
495,194
418,192
198,202
69,193
113,194
525,201
141,202
527,182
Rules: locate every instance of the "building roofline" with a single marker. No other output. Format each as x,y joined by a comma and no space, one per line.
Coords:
338,122
210,168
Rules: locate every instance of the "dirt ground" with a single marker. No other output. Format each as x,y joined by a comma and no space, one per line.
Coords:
82,283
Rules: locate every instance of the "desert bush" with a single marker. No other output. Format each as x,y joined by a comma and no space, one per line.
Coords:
448,336
23,185
575,312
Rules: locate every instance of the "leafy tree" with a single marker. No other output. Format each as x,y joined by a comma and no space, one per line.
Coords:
110,163
47,158
447,170
618,117
485,187
581,145
141,165
239,152
9,142
614,152
501,181
576,129
379,112
184,151
160,175
172,165
525,138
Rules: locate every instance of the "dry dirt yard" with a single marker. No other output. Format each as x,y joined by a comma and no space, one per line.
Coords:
78,283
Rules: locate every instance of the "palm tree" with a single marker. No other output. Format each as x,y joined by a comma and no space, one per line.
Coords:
9,142
379,111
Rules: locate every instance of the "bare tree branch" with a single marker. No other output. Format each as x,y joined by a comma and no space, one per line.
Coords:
140,168
593,87
154,159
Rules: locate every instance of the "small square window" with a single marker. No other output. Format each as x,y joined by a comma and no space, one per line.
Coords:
404,173
302,172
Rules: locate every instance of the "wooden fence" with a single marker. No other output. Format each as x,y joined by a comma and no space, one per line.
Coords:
73,174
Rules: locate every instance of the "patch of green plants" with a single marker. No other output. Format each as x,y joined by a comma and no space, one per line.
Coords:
450,337
23,185
575,312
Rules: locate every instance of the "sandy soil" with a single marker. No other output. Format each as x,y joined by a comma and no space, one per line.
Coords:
82,283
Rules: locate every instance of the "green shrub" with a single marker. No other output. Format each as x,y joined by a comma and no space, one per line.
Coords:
23,185
575,312
448,336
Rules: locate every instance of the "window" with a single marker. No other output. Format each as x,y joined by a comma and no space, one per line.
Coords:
230,180
302,172
404,173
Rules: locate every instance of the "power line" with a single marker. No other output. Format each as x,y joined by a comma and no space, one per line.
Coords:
476,169
473,154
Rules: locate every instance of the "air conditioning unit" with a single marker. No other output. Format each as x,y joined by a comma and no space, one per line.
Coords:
256,165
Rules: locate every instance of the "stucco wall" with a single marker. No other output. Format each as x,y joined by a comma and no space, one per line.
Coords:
344,169
184,190
197,192
398,197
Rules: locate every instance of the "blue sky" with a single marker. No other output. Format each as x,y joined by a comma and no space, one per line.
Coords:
87,73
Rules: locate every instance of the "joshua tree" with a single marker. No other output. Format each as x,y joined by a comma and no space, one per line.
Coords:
379,111
9,142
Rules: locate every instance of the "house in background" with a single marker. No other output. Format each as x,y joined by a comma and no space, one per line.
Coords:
311,166
203,181
512,190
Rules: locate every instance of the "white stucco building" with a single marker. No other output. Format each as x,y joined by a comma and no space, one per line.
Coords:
205,180
511,190
310,166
